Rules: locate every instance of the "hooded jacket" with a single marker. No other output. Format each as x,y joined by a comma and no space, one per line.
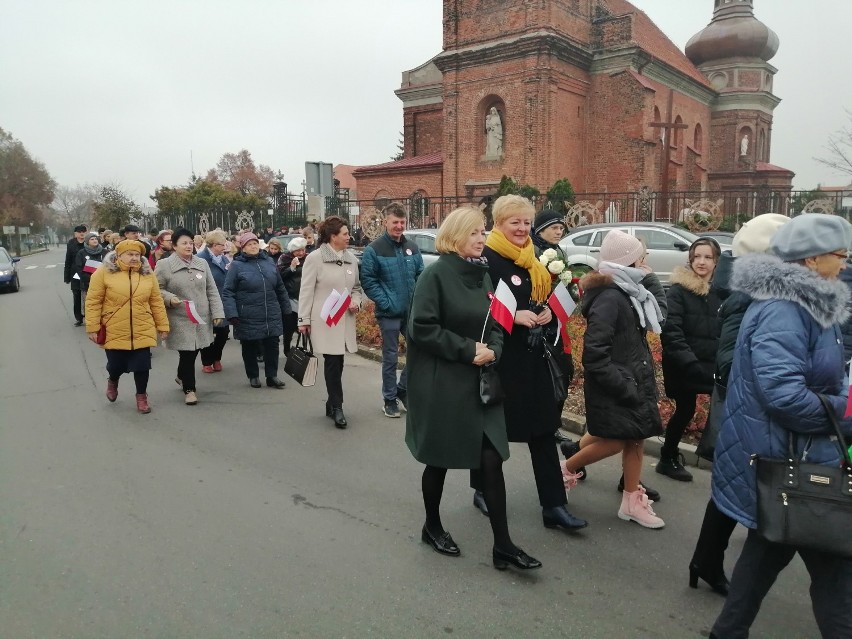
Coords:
788,350
619,384
690,335
128,302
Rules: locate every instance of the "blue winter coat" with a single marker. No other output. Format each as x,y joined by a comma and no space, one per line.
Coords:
255,294
389,271
788,350
219,272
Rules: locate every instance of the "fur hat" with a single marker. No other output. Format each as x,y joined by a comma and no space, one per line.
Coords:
754,236
545,218
245,238
620,248
811,234
129,245
296,244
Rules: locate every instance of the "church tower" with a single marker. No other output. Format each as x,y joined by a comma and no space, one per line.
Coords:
733,52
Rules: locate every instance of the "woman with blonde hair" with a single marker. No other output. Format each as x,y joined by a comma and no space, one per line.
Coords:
532,412
451,336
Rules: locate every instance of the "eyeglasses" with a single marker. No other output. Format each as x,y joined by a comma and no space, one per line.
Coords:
843,255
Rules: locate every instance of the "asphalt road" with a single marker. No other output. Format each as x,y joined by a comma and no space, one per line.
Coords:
250,515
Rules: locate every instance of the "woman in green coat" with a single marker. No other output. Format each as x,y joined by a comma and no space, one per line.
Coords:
450,336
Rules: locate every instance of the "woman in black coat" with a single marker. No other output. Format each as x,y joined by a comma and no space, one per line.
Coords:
290,266
619,384
532,414
690,339
255,300
91,252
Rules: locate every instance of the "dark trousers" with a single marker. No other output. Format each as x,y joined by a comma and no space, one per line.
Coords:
251,348
332,367
213,353
756,571
291,321
77,294
716,530
546,469
186,369
683,414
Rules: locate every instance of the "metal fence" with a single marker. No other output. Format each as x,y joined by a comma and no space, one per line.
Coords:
725,210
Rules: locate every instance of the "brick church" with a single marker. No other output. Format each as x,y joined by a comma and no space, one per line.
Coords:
591,90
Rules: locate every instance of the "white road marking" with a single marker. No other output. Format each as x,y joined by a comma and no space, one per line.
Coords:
29,268
51,266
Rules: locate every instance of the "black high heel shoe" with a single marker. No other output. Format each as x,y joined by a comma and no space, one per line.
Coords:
519,559
719,584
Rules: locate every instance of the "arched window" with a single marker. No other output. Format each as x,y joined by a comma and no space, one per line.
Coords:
762,154
698,139
658,118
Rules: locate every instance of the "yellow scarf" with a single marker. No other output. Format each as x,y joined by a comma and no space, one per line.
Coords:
525,258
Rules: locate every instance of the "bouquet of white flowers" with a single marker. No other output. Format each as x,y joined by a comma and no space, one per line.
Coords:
557,267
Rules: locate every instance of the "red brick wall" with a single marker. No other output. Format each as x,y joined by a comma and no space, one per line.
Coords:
725,138
400,184
422,129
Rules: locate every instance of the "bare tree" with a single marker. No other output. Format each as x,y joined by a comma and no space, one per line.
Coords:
75,203
839,149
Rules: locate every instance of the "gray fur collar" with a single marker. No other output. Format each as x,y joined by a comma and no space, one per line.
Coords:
765,277
112,267
329,255
688,279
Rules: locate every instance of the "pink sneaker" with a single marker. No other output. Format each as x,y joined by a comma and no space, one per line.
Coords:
207,369
570,479
636,507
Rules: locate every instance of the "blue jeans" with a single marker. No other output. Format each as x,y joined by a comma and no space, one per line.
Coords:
392,328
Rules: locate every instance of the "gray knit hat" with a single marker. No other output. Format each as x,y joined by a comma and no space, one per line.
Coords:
811,234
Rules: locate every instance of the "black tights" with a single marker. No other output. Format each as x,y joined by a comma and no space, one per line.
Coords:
683,414
493,487
140,377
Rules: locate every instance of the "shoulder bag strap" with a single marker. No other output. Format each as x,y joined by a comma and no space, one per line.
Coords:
844,447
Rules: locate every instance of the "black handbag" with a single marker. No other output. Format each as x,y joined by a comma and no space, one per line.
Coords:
806,505
706,448
490,387
301,362
557,377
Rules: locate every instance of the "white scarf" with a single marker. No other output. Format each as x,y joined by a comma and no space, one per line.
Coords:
629,279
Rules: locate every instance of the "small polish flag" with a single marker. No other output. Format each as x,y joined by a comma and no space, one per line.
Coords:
339,308
91,265
849,399
562,305
503,306
192,312
335,306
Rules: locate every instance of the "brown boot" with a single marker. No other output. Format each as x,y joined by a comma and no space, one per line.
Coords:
112,390
142,403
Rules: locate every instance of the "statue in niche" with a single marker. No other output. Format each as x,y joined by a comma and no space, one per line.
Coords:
744,145
493,134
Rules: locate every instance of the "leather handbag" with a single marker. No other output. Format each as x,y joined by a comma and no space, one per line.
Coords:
557,376
490,387
806,505
301,362
706,448
100,337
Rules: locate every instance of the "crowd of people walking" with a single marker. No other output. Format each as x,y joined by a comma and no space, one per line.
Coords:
760,329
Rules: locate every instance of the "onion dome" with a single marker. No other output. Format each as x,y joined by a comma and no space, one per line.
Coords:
734,32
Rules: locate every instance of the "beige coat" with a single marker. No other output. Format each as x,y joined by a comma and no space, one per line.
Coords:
179,281
322,272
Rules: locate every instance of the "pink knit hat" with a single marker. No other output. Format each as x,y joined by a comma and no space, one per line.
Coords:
245,238
620,248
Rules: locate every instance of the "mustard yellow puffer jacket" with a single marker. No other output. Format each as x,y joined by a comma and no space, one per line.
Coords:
128,302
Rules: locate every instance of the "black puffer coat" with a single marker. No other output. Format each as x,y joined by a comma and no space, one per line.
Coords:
619,385
691,335
846,328
292,278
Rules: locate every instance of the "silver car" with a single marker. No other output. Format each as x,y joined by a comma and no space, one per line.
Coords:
667,245
425,241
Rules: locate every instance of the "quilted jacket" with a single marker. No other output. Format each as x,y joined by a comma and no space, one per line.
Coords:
789,349
389,271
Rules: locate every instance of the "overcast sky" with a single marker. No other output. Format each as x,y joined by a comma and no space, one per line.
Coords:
122,91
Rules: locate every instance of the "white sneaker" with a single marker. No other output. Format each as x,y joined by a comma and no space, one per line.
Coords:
191,399
636,507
